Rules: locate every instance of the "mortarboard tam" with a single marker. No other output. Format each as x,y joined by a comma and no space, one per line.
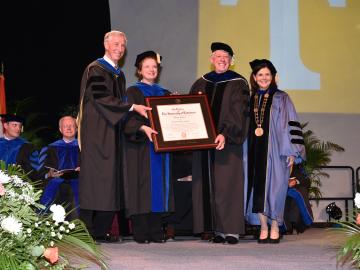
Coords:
263,62
221,46
143,55
12,118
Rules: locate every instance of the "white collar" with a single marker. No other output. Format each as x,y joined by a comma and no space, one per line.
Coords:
68,141
107,59
6,138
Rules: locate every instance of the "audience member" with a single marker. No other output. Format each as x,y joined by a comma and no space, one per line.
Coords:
298,213
16,150
62,159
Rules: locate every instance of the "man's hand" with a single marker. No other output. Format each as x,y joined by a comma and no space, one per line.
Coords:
220,140
141,109
148,131
54,174
292,182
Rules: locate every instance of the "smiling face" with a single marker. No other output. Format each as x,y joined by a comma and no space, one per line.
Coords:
148,70
263,78
12,129
221,61
115,46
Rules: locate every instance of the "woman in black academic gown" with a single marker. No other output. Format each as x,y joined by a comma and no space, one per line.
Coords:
148,189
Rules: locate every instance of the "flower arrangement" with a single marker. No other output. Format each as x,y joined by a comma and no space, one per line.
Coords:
32,238
349,251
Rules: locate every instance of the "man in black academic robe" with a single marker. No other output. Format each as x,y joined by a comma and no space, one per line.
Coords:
102,110
218,175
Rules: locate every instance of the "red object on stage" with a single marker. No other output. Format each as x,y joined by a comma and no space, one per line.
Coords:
2,94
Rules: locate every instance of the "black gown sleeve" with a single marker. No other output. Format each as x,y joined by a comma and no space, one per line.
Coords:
100,87
234,120
134,121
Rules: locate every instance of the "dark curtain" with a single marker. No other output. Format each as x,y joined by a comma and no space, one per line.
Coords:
45,46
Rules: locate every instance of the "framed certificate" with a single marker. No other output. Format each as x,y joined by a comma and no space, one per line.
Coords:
183,122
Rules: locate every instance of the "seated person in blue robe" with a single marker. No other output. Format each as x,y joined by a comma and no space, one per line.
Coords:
298,214
14,149
62,159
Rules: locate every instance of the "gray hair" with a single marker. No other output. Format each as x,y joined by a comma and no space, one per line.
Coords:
114,33
64,117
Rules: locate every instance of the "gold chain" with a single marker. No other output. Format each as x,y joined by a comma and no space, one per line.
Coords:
262,110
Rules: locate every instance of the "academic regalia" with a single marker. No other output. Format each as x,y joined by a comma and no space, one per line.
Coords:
62,155
298,213
268,174
148,177
18,151
217,176
102,109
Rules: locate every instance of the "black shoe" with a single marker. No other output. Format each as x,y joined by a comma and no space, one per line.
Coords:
107,239
232,240
263,241
153,240
218,239
274,241
142,241
170,233
207,236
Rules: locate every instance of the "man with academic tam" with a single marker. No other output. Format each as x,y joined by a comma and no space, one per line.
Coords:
218,174
63,154
102,111
13,148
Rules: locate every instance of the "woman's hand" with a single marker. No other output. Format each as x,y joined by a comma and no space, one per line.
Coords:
148,131
220,141
290,161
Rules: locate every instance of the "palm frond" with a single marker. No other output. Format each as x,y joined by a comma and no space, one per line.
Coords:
318,154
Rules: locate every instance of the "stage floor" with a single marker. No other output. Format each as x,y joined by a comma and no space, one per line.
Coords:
314,249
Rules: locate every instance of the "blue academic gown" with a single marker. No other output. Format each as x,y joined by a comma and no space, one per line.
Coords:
21,152
284,139
60,155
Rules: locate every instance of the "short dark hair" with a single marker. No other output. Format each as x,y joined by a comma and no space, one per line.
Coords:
253,84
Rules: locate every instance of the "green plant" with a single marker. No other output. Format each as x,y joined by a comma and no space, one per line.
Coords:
349,248
32,239
318,154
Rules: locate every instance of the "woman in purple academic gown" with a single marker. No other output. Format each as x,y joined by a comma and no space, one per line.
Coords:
147,183
275,143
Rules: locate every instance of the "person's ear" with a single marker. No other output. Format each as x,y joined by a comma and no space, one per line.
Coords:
254,77
211,59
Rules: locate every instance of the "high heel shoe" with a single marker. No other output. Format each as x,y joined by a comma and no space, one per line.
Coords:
263,240
274,240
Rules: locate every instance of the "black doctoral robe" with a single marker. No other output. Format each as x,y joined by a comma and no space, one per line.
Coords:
148,183
218,176
102,109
